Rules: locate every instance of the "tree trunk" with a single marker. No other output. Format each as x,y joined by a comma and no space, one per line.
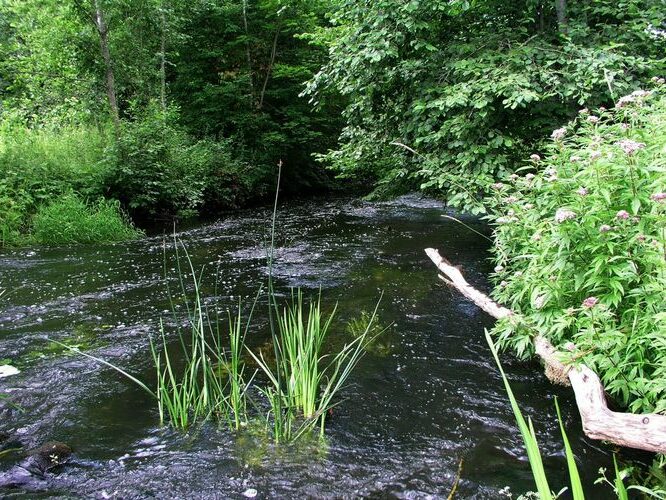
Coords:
163,58
103,32
562,21
642,431
540,14
270,67
247,51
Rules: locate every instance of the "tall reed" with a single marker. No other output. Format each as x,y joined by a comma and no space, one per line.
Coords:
534,455
199,377
207,379
304,381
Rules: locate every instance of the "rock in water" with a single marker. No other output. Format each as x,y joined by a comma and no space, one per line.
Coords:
32,470
8,370
49,455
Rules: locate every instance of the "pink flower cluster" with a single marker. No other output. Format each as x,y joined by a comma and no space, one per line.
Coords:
535,158
631,98
590,302
564,214
582,191
630,147
658,197
622,215
624,101
559,134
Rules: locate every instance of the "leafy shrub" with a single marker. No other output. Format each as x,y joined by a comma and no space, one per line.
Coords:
447,96
156,167
70,220
580,247
38,165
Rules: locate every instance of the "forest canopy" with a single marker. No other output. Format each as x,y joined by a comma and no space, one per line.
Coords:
179,108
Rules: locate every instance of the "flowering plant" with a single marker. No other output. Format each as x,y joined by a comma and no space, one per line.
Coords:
580,248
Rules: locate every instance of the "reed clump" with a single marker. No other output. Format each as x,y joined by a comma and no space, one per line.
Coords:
304,380
205,374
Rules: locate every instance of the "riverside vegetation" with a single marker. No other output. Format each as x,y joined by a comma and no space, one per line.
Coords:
580,251
113,112
179,108
580,247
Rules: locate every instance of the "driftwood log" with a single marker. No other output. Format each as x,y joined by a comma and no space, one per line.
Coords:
641,431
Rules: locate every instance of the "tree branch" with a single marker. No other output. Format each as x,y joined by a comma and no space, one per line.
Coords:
642,431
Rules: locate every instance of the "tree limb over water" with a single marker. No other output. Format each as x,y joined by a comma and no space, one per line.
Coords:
645,431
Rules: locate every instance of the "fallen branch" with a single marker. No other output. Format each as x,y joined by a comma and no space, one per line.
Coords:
642,431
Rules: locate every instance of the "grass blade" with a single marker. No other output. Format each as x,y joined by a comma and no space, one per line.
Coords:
527,432
574,477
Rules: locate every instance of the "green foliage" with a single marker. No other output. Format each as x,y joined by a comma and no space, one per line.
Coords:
37,165
156,166
579,247
534,455
447,96
237,98
235,88
305,381
380,343
41,79
211,381
527,433
69,219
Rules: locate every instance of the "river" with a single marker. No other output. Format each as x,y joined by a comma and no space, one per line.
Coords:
429,398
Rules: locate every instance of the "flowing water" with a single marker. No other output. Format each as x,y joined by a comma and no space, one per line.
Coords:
427,399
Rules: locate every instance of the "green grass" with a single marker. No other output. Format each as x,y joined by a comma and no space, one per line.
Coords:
381,345
527,433
69,220
304,380
212,379
534,455
38,165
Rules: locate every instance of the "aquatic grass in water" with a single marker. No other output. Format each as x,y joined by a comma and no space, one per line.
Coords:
381,344
200,389
527,433
305,381
534,454
189,384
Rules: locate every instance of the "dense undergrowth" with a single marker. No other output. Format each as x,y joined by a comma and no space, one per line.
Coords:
70,220
38,166
151,165
446,96
580,247
160,119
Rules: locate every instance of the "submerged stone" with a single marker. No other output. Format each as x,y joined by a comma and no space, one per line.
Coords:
32,470
50,455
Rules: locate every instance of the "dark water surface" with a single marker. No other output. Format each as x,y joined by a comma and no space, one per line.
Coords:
412,411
